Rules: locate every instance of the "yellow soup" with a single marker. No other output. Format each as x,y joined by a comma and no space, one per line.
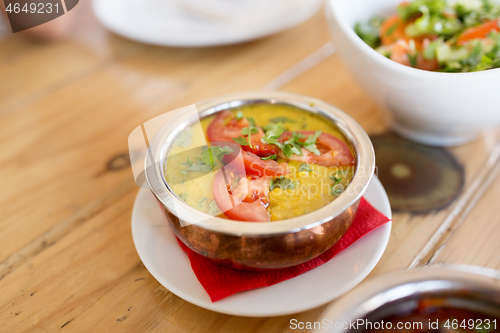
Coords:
313,186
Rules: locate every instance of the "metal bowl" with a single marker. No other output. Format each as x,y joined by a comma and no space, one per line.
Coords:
456,286
261,245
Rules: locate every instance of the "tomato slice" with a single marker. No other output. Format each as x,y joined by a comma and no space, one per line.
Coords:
400,53
225,127
334,151
231,205
255,166
481,31
392,30
252,164
261,149
252,189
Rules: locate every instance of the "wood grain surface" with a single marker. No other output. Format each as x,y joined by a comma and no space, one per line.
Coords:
67,259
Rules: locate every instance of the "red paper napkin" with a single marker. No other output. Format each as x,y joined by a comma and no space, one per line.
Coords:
221,281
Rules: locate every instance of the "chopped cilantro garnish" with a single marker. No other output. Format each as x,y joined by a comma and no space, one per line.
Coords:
336,180
213,209
184,139
251,129
412,56
369,32
272,157
336,190
391,30
241,141
183,196
272,134
208,159
305,167
282,183
413,60
183,172
188,163
309,143
239,115
431,49
294,144
282,120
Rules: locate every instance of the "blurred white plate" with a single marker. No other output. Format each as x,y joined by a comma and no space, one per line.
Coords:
197,23
169,264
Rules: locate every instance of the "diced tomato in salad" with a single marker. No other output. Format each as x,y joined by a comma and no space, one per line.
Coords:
438,35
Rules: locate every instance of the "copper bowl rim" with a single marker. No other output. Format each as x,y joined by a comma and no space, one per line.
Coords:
434,280
161,143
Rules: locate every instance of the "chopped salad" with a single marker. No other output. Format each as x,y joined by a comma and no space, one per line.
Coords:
438,35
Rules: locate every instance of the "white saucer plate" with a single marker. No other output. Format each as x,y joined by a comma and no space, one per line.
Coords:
182,23
169,264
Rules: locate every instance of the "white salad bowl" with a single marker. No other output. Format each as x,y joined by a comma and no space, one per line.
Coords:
441,109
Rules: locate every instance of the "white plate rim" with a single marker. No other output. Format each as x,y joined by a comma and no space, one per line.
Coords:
378,238
105,16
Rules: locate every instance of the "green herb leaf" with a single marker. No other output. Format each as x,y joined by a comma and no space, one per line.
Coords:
183,196
241,141
251,121
313,149
337,190
430,51
294,144
297,143
239,115
336,180
282,120
188,163
213,209
305,167
251,129
185,139
413,54
183,172
272,157
209,158
215,153
287,150
272,134
391,29
413,60
200,167
283,183
369,32
311,139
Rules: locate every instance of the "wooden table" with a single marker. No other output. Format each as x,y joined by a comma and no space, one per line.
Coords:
67,259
